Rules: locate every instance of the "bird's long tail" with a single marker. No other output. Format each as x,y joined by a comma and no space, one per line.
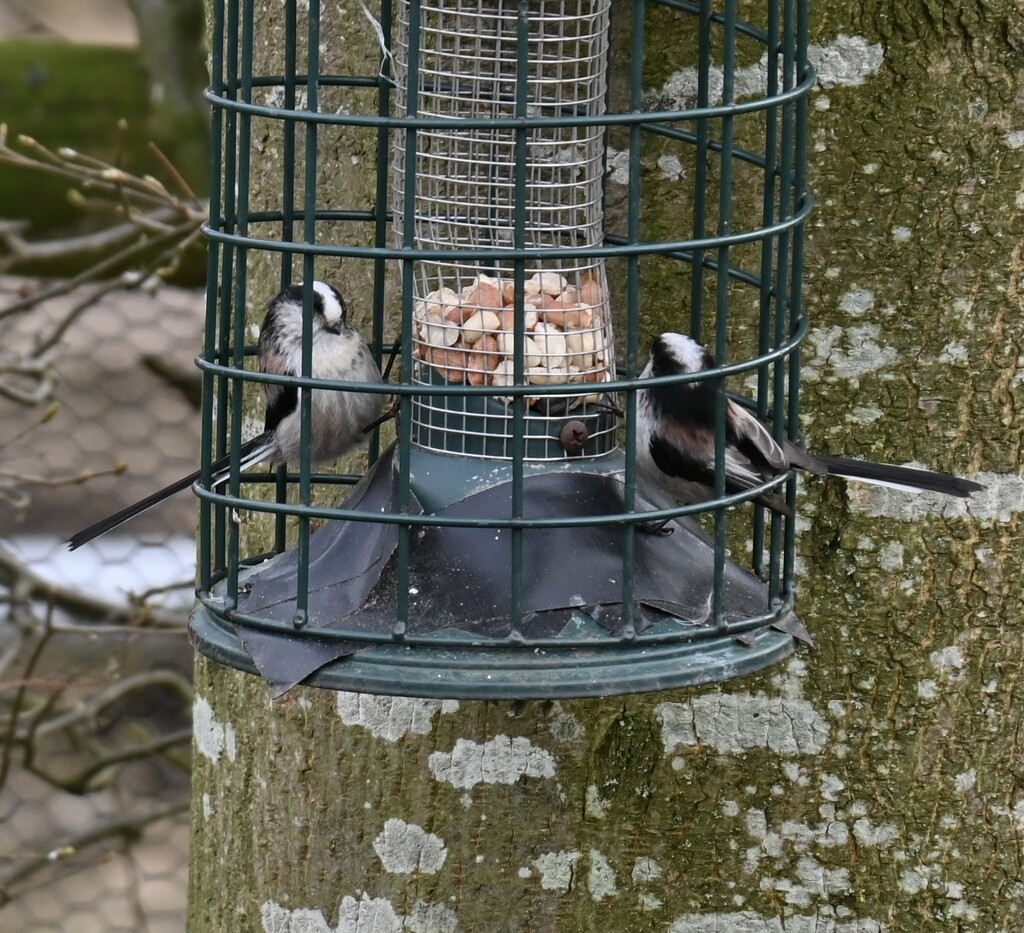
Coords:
883,474
252,452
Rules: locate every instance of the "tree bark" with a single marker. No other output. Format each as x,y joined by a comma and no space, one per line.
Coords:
872,783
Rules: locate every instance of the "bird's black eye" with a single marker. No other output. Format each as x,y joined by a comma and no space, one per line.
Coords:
318,303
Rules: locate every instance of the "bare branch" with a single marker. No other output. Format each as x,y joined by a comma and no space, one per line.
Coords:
30,370
127,826
19,699
96,704
14,573
83,781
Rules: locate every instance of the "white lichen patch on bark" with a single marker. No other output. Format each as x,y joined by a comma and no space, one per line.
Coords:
948,660
830,785
391,718
363,915
368,915
847,60
789,679
212,738
857,300
278,919
596,807
931,877
966,780
645,869
601,878
501,760
1015,813
431,918
617,166
557,869
735,722
749,922
870,835
404,848
564,726
781,842
813,882
914,881
649,902
845,353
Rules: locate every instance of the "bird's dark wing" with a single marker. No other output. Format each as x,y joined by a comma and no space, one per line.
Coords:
688,453
755,440
281,400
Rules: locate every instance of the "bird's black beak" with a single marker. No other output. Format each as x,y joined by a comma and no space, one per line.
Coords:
333,328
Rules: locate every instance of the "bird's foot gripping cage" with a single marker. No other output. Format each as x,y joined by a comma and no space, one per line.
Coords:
524,154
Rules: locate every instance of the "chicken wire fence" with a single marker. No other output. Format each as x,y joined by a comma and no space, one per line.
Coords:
513,217
91,641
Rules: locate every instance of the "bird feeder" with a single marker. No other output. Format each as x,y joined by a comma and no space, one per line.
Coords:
502,547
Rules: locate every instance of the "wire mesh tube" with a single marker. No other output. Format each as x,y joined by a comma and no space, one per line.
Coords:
467,182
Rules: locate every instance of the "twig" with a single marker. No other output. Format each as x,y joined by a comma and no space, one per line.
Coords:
62,481
29,369
19,698
112,694
112,285
128,827
65,286
21,250
172,170
146,595
81,783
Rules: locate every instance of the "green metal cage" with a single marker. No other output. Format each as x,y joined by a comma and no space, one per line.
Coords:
514,247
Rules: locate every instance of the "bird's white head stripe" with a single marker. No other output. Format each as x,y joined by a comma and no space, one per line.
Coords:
332,307
686,350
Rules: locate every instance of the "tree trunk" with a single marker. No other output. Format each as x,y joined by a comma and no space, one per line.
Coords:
171,51
872,783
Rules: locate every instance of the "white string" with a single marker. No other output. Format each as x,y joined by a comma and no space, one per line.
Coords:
385,52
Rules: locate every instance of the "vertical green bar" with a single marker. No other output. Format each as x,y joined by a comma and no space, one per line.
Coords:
801,70
309,204
700,175
636,91
408,286
235,326
519,326
766,339
778,555
380,217
229,146
289,80
205,556
722,299
781,527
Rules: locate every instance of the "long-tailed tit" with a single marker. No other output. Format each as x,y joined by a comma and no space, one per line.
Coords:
337,419
675,451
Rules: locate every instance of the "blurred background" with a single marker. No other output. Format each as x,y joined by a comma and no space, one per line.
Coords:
103,175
